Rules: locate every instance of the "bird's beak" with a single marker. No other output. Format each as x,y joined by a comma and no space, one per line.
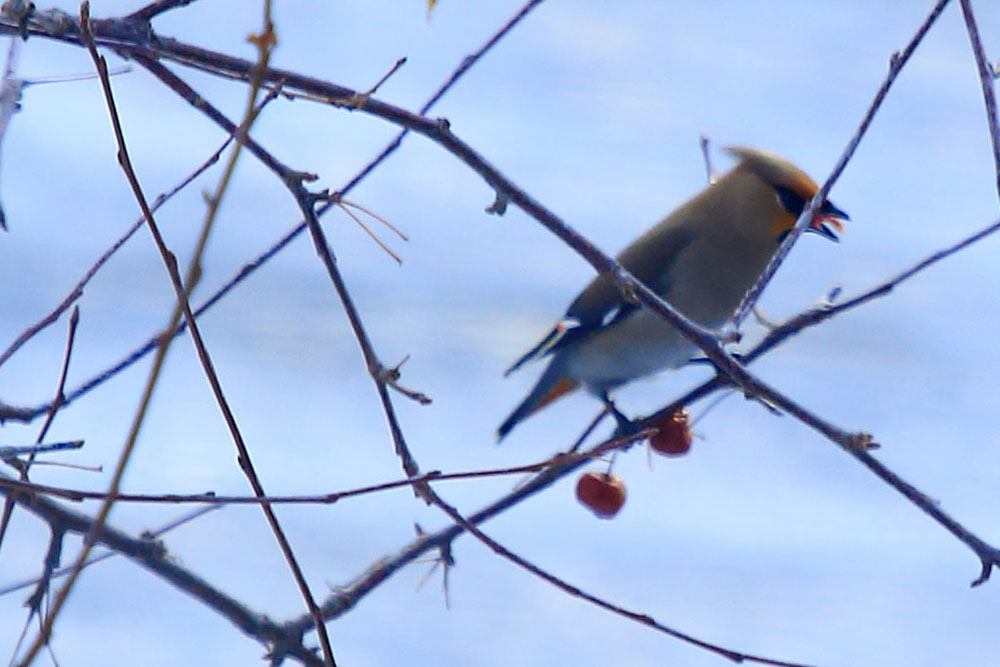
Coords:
829,221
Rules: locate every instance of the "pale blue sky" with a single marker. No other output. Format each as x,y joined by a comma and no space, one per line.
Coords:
765,539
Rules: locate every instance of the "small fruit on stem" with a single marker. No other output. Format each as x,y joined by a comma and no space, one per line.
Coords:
674,438
603,493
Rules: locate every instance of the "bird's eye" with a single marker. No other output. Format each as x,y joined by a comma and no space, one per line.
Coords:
790,201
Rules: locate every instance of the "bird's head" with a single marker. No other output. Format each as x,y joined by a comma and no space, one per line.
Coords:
793,190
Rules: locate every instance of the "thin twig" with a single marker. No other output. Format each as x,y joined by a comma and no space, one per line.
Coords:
369,212
13,413
801,221
371,234
566,587
293,181
438,131
34,602
391,376
986,80
345,598
77,291
211,498
27,414
8,451
457,74
152,554
988,555
111,553
57,532
376,373
69,78
385,77
60,397
154,9
706,156
265,42
57,402
896,64
194,271
781,333
10,98
244,456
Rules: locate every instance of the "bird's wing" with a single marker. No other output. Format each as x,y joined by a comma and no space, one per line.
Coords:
601,304
551,341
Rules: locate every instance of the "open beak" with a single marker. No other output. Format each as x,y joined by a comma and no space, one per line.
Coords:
829,221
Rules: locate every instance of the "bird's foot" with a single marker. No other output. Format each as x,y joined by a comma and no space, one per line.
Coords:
625,426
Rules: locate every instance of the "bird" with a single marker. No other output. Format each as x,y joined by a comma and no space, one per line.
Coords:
702,258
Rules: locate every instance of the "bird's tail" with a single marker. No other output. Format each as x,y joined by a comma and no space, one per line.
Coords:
552,385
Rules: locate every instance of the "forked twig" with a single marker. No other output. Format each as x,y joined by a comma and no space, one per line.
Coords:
175,278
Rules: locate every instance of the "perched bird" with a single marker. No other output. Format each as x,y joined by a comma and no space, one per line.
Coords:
702,258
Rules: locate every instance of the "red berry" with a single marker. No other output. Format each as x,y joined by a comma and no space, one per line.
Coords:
603,493
674,438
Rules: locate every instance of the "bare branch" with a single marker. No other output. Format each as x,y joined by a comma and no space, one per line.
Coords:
57,402
77,291
211,498
175,278
154,9
27,414
896,63
152,554
986,78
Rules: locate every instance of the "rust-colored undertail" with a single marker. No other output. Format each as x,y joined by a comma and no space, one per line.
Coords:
551,386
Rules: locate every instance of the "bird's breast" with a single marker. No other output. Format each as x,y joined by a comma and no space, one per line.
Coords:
639,345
